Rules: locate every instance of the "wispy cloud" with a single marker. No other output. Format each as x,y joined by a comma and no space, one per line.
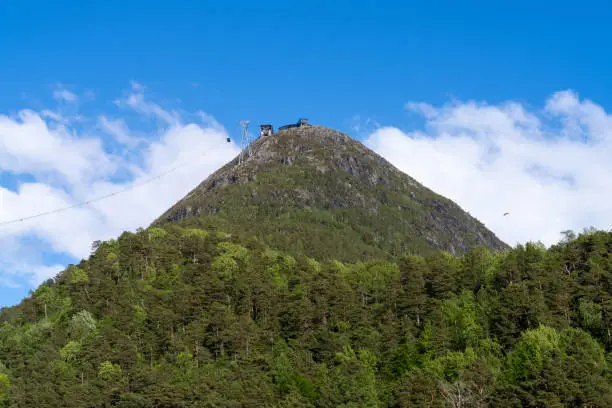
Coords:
64,95
119,130
136,100
89,95
363,125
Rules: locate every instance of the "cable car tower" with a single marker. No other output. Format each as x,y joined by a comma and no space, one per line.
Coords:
245,147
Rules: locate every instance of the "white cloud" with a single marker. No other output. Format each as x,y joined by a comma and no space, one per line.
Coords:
30,144
137,101
40,273
65,95
119,130
547,167
46,113
70,166
9,283
23,261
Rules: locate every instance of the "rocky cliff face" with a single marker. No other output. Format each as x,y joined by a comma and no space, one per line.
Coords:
318,191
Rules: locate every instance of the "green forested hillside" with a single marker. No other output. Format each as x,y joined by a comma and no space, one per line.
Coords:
315,191
173,317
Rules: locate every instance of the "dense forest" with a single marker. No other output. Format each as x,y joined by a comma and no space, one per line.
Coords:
186,317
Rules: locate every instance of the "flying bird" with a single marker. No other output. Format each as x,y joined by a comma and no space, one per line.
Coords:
506,214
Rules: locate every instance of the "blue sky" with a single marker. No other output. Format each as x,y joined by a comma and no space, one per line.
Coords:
350,65
330,60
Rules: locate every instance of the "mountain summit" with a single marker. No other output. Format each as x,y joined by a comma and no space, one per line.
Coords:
318,191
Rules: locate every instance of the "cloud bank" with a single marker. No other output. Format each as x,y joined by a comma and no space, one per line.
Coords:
53,161
548,167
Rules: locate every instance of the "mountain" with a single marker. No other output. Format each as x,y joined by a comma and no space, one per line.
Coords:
180,315
317,191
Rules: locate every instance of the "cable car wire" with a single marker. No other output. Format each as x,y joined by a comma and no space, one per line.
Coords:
100,198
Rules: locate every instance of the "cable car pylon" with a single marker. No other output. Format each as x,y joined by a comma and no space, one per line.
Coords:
245,147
